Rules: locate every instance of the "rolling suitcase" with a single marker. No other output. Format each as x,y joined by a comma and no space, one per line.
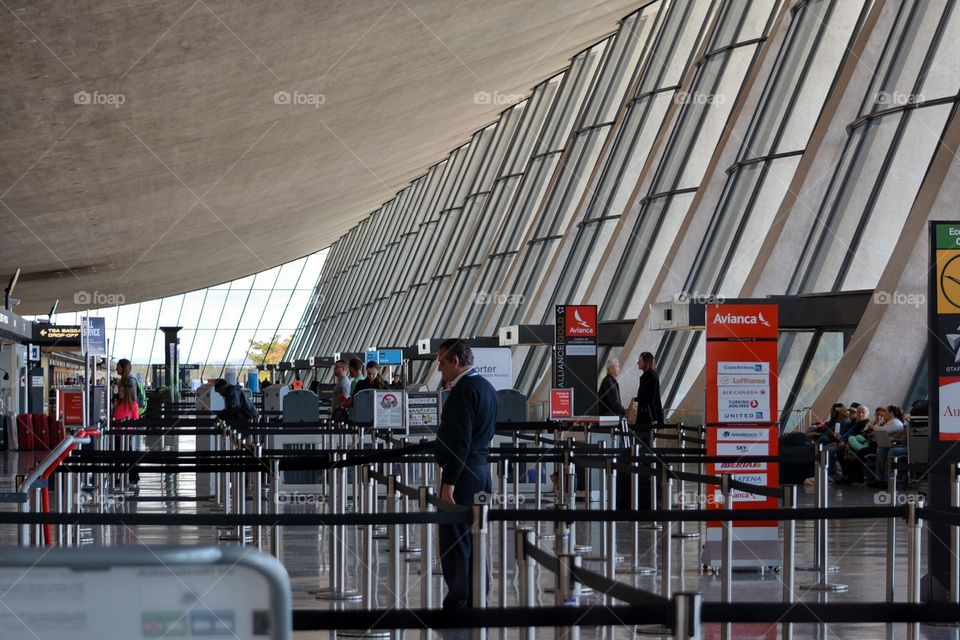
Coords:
25,432
41,441
56,432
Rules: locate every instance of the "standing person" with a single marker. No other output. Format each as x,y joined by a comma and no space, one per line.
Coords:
126,407
649,405
467,426
237,407
340,393
373,379
609,394
353,366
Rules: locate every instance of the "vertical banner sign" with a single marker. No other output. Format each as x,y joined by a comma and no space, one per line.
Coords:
93,336
575,355
943,371
945,332
741,409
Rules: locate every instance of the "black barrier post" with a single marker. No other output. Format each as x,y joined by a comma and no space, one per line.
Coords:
611,532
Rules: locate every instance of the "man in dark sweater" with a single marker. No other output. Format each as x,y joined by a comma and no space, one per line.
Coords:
467,426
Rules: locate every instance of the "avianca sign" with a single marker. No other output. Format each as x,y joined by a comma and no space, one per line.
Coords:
742,321
581,321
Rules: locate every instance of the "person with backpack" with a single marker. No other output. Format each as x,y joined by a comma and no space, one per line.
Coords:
236,405
127,406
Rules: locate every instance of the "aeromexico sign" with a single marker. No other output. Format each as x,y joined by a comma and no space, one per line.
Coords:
575,355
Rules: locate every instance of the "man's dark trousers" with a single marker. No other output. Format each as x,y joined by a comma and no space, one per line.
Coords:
456,542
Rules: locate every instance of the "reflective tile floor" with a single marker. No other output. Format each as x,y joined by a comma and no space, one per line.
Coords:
857,549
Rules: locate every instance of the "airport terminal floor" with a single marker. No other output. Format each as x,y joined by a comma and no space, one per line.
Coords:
858,550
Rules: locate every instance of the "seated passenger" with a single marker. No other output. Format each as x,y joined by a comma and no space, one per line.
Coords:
855,446
895,427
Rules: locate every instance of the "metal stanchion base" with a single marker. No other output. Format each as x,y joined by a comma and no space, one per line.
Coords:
583,548
831,569
380,533
686,534
824,586
653,631
547,536
648,526
640,571
342,596
410,549
364,634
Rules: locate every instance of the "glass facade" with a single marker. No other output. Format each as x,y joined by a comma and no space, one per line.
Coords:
711,149
219,323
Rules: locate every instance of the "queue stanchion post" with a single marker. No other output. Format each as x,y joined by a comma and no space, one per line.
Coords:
635,525
396,601
788,573
257,497
666,559
823,530
726,584
567,593
426,556
611,542
526,572
276,535
479,530
369,549
502,560
914,539
955,537
891,550
538,483
330,591
686,624
571,483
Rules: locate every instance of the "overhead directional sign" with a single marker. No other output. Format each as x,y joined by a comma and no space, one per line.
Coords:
64,335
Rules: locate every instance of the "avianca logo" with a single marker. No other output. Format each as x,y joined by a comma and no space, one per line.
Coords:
581,321
730,318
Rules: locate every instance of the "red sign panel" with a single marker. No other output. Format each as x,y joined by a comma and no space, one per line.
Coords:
71,407
581,321
741,401
561,404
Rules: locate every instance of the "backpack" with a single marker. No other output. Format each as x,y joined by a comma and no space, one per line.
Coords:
141,396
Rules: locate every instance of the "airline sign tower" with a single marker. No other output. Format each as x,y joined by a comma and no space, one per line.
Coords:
741,417
575,355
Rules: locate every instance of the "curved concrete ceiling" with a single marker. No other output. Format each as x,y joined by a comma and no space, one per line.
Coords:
152,148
